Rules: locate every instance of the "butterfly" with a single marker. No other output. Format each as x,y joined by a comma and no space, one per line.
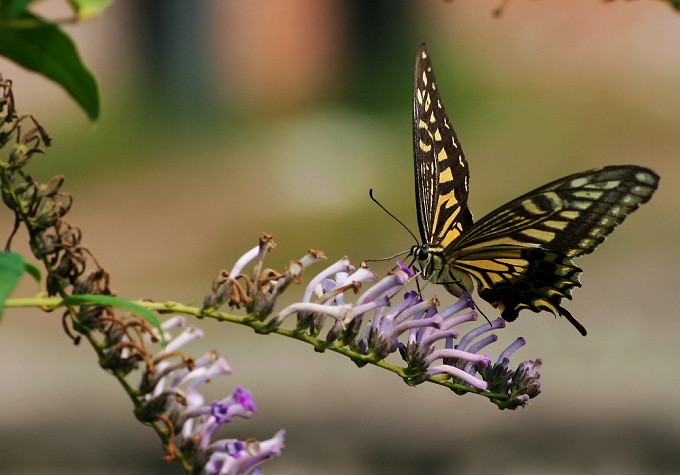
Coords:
520,255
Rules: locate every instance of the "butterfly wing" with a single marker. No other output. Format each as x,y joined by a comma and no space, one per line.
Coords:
520,254
441,171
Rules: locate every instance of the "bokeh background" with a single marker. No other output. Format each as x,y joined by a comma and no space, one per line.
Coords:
222,120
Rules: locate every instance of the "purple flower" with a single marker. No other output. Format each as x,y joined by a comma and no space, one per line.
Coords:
173,395
423,333
365,324
233,457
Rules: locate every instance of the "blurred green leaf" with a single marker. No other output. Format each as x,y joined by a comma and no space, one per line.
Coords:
42,47
116,302
11,269
34,272
13,8
88,8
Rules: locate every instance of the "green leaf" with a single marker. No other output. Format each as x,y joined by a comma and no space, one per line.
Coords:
108,301
88,8
44,48
13,8
11,269
34,272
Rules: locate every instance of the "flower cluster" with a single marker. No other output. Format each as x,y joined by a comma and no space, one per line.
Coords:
173,397
414,327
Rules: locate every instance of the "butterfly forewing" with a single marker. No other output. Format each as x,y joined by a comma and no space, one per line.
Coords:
571,216
440,168
520,254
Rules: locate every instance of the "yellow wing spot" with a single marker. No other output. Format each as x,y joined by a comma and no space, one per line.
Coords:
597,232
593,195
424,78
437,135
530,207
451,231
450,236
448,200
554,293
445,202
423,55
557,201
495,278
617,212
570,215
441,156
445,176
640,190
545,236
611,184
607,222
578,182
586,243
556,224
425,147
560,284
645,178
432,118
422,124
562,271
542,303
581,204
419,96
428,102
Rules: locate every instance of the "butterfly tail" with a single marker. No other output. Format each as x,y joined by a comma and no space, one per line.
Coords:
565,313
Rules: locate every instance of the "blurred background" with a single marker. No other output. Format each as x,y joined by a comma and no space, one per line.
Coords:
225,119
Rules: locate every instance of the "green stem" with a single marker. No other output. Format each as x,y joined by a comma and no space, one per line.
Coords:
52,303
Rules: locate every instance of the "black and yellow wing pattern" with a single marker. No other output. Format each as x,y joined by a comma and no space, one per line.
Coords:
520,255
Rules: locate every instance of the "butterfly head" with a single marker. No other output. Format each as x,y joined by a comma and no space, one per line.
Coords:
420,253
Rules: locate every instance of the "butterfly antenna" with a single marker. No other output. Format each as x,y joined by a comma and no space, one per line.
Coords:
476,307
387,258
480,311
370,193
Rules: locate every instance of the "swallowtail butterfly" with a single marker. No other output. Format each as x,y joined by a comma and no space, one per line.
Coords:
520,255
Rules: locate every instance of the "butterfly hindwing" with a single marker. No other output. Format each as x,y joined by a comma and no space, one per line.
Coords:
521,254
513,279
440,168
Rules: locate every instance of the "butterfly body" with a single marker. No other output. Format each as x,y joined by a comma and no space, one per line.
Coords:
520,255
